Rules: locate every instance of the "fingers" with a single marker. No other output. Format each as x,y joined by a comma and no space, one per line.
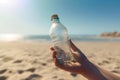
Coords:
74,48
55,59
72,45
76,55
53,52
54,55
65,65
52,49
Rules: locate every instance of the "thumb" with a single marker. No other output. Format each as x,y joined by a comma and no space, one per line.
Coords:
72,45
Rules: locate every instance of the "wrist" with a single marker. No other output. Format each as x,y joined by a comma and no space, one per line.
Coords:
85,65
92,72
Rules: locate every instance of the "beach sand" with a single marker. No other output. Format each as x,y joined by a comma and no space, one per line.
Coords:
25,60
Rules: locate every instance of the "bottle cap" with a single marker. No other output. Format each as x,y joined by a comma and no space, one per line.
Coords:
54,16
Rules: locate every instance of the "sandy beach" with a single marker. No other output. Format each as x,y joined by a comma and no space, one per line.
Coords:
25,60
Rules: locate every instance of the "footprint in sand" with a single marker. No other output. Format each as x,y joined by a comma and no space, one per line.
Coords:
49,60
55,77
44,64
3,71
31,69
20,71
100,63
6,59
73,74
116,71
17,61
118,67
104,62
33,77
28,70
2,56
3,77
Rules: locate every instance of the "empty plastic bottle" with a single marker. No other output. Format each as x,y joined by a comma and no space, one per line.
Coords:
59,36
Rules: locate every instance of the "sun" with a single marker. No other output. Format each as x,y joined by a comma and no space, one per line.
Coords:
10,5
3,1
8,2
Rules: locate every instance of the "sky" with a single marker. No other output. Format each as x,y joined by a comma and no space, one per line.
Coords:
28,17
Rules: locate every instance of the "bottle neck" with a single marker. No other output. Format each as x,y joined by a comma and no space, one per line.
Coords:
55,21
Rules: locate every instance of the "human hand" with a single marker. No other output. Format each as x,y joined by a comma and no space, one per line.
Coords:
77,66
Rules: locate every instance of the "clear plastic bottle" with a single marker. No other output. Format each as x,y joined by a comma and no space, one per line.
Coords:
59,36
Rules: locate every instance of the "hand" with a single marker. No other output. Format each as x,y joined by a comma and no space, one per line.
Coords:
83,66
75,67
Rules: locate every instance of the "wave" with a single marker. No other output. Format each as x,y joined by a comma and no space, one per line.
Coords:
88,38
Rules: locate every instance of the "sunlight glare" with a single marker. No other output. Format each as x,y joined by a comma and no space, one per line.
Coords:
9,3
10,37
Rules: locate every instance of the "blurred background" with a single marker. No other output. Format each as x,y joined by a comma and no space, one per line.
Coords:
93,26
83,17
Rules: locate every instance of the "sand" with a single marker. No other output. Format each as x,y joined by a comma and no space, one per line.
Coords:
25,60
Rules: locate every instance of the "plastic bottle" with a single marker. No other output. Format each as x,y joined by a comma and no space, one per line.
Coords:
59,36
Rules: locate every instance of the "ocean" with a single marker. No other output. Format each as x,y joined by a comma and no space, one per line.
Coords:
81,38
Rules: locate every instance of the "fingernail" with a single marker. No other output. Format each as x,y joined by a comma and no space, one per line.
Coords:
52,48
